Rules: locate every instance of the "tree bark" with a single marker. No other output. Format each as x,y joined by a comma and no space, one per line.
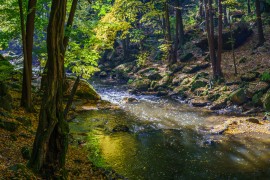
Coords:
26,99
51,141
168,31
259,23
181,28
176,43
219,56
248,7
210,33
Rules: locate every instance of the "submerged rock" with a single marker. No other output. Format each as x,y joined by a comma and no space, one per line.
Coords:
120,128
130,100
253,120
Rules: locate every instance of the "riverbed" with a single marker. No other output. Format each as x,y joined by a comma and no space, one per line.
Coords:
161,138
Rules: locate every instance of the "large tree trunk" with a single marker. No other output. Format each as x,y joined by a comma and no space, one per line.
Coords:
26,99
219,57
51,141
259,23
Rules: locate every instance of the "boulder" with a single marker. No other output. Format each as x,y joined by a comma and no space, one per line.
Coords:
186,57
84,90
130,100
220,103
5,97
141,84
257,99
103,74
253,120
198,103
151,73
238,97
178,79
266,101
250,76
254,88
195,67
198,84
8,125
164,82
120,128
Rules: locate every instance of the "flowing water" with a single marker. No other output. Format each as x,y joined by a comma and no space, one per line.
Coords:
158,138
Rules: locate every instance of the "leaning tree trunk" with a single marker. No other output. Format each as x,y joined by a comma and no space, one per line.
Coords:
26,100
219,57
259,23
51,141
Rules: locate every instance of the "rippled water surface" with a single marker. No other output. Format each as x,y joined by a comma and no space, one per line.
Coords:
164,141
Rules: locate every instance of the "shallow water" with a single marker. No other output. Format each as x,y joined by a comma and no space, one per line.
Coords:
164,141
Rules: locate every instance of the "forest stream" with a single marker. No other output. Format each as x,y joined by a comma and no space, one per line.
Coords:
160,138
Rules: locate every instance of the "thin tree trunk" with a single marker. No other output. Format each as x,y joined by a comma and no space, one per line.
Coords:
226,21
248,7
181,28
71,97
26,100
219,56
210,33
70,22
51,141
233,53
176,43
168,31
259,23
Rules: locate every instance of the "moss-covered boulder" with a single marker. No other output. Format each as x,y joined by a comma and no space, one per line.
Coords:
84,90
8,125
195,67
141,84
122,71
238,97
257,99
151,73
250,76
256,87
266,101
5,97
177,80
198,84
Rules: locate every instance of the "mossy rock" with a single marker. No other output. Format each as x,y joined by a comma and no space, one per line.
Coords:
84,90
151,73
5,97
250,76
198,84
220,103
238,97
254,88
257,99
141,84
266,101
177,80
25,121
8,125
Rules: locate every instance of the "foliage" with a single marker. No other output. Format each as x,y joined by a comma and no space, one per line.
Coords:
142,58
265,76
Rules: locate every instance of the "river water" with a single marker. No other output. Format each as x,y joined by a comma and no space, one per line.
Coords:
164,139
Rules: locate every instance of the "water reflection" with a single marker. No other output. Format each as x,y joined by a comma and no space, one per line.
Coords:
163,143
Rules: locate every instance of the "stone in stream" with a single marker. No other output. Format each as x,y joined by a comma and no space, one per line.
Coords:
253,120
130,100
198,103
120,128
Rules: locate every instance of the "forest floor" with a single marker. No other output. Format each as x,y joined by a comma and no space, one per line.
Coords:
15,145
